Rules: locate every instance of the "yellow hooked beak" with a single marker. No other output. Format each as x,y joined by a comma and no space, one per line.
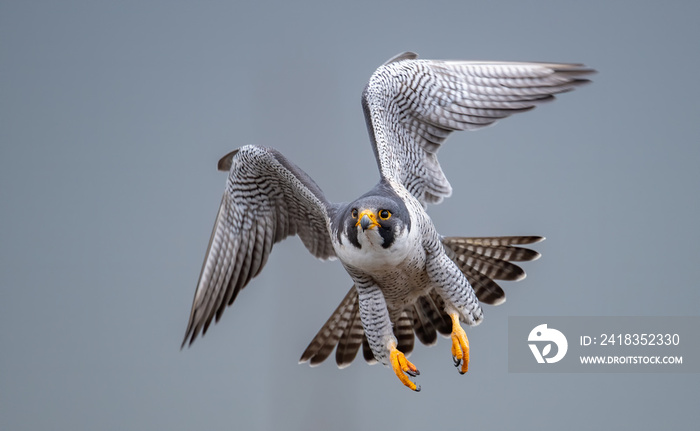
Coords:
367,220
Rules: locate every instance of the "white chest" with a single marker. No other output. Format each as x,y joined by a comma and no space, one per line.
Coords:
372,258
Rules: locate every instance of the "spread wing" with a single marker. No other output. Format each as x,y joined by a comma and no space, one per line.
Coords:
411,106
267,198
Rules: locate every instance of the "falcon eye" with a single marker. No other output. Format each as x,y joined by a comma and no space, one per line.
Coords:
354,213
384,215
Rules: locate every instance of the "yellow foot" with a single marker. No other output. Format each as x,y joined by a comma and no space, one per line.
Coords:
401,367
460,345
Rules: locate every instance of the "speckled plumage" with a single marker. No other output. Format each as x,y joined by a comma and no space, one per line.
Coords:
407,278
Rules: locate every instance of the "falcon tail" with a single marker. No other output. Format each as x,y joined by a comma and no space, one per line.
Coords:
484,259
344,329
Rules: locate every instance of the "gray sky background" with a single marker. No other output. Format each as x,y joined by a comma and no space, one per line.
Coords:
114,114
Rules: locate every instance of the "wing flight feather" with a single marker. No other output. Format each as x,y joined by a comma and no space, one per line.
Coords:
411,106
267,199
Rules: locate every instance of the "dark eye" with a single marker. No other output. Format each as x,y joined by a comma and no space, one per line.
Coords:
354,213
384,214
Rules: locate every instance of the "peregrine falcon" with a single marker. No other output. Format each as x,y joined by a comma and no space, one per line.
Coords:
407,278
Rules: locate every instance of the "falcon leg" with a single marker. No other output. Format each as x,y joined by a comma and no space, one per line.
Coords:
460,345
380,335
402,366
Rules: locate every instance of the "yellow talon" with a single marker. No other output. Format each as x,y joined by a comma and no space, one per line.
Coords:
401,367
460,345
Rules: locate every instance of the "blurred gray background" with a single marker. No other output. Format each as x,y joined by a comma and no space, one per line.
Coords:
114,114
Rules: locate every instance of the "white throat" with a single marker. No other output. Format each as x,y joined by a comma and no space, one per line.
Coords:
372,255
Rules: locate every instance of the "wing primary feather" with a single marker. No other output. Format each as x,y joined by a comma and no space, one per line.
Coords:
195,323
409,102
267,198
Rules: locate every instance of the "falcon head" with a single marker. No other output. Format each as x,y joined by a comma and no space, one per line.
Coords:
376,221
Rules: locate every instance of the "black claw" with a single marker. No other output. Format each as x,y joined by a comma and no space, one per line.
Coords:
462,372
456,361
413,373
417,388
